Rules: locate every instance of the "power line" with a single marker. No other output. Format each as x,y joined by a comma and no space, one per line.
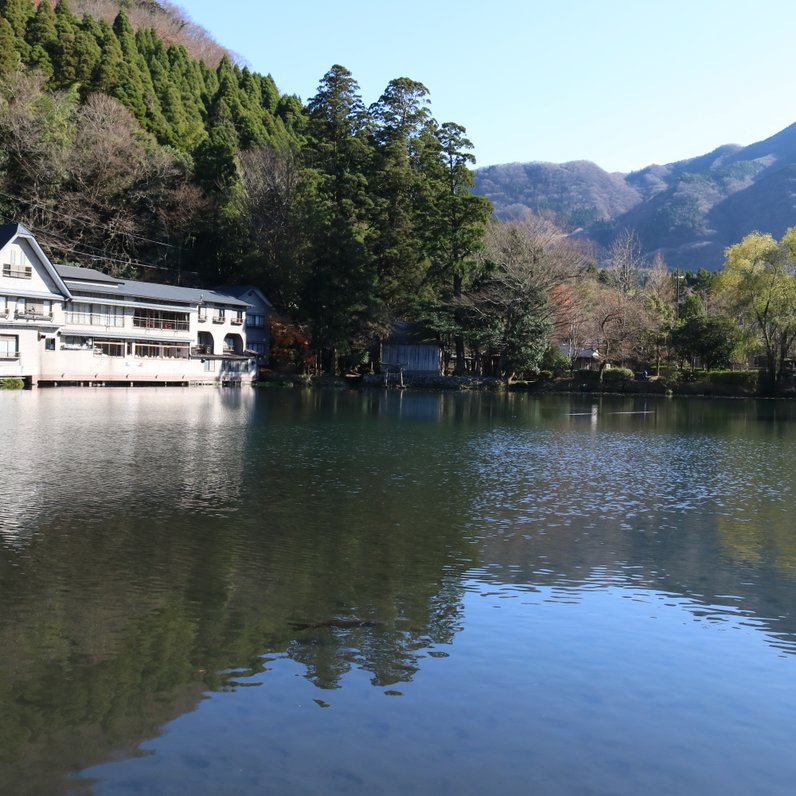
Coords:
103,257
36,204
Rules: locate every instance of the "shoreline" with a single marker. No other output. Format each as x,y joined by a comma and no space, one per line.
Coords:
657,388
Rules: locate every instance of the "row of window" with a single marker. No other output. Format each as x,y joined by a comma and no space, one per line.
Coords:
85,314
9,347
120,348
25,307
219,315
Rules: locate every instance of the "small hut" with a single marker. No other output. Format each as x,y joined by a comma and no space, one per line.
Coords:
587,357
413,349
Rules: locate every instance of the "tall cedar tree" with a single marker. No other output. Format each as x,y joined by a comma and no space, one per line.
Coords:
339,297
457,225
399,183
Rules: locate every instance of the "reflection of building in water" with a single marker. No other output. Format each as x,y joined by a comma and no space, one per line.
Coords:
118,451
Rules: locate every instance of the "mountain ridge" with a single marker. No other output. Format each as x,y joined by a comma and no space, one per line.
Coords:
689,211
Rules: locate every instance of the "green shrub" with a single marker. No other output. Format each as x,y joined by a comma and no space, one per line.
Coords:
11,384
669,372
545,375
587,376
556,361
743,379
617,375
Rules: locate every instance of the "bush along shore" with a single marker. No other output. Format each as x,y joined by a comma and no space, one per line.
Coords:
720,383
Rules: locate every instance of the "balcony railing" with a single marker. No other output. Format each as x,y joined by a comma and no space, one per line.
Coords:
237,321
32,315
201,350
218,319
157,323
9,355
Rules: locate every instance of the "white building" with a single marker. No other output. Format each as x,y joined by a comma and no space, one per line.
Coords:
62,324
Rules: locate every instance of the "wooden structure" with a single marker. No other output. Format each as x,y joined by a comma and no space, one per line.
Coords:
411,349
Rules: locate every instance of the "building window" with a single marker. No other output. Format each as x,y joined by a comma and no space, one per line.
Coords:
147,350
36,308
202,313
238,319
160,319
82,314
255,320
109,348
17,268
258,347
233,344
9,346
71,342
49,344
219,315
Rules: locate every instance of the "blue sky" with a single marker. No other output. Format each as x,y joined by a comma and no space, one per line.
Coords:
622,83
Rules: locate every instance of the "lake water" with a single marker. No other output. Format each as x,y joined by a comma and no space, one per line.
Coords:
332,592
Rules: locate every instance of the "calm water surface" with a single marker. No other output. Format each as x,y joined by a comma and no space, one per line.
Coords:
295,592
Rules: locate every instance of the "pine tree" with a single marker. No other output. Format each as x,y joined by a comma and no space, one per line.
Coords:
405,128
187,80
9,56
107,74
217,157
17,13
128,86
340,296
70,53
456,223
42,36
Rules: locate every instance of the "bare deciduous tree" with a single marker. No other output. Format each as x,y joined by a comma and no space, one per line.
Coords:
270,202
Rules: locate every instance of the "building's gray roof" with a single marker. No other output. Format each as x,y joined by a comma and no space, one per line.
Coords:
75,273
241,290
77,279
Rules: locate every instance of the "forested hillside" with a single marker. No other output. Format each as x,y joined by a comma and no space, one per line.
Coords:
147,146
114,142
689,212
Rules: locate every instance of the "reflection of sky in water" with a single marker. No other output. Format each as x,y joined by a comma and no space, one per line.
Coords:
549,690
552,476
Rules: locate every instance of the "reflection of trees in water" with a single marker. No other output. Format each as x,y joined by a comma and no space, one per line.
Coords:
116,620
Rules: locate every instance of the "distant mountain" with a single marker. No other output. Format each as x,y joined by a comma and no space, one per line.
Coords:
689,211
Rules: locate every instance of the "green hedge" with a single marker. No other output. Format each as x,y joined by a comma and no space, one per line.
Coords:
617,375
747,379
11,384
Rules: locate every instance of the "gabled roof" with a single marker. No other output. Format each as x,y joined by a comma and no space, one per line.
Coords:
239,291
90,281
411,333
10,232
